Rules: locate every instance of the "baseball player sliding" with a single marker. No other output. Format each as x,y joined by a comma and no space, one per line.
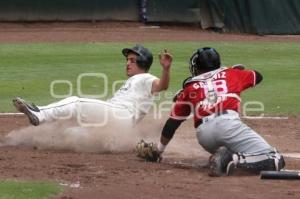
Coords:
128,105
212,94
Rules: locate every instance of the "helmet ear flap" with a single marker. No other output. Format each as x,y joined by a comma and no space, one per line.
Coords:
144,57
193,63
141,62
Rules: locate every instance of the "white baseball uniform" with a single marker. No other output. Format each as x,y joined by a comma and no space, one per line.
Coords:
130,104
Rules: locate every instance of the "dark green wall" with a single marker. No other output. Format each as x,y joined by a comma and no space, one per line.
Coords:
173,11
251,16
68,10
262,16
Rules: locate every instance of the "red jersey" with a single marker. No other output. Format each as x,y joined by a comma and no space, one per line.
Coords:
211,92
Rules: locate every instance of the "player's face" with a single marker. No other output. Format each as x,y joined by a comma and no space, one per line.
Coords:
131,65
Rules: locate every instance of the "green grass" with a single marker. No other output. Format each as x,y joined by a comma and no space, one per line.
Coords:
27,70
26,190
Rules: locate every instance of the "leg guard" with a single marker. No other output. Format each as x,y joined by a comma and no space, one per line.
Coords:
255,163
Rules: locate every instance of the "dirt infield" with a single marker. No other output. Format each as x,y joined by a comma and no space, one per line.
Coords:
119,32
182,174
122,175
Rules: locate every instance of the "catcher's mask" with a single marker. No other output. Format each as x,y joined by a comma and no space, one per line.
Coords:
204,60
144,56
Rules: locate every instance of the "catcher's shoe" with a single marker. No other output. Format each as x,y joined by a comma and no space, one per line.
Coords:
218,162
30,110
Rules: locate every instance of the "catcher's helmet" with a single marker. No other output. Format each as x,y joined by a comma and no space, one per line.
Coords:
144,56
204,59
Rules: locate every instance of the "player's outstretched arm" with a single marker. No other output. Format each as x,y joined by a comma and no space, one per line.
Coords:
161,84
168,132
152,152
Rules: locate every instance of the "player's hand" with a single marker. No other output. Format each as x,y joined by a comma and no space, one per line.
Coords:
165,59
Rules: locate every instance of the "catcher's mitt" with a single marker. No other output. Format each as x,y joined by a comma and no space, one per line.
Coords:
148,151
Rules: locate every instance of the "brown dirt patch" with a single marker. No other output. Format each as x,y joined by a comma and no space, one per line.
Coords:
119,32
122,175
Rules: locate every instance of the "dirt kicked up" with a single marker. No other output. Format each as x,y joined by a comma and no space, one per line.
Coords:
182,174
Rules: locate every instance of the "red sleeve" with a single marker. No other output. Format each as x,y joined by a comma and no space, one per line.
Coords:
182,107
246,78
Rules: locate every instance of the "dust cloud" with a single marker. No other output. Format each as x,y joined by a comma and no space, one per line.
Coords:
116,137
69,136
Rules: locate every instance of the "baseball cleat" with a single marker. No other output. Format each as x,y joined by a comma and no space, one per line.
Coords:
27,109
218,162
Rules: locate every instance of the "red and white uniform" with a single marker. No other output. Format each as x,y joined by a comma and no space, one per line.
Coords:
211,92
214,100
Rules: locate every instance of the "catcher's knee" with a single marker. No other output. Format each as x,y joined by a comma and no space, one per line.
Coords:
273,161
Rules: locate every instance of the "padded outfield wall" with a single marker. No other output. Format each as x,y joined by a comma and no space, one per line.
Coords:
69,10
251,16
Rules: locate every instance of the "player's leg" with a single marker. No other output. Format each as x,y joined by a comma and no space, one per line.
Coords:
206,136
238,137
221,156
95,113
86,111
31,110
218,162
251,151
229,140
63,109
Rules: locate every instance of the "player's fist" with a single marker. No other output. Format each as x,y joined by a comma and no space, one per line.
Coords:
165,59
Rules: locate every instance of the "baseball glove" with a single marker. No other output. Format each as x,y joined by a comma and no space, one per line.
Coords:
148,151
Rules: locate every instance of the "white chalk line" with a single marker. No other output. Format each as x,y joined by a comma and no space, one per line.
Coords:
11,114
266,117
244,117
292,155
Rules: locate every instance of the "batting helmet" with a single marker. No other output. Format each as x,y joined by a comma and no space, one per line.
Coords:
204,59
144,56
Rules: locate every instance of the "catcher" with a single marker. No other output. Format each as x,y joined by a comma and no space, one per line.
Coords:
212,94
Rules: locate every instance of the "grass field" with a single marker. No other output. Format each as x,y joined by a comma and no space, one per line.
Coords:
27,70
25,190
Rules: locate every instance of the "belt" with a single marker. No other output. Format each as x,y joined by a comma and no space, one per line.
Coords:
210,117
